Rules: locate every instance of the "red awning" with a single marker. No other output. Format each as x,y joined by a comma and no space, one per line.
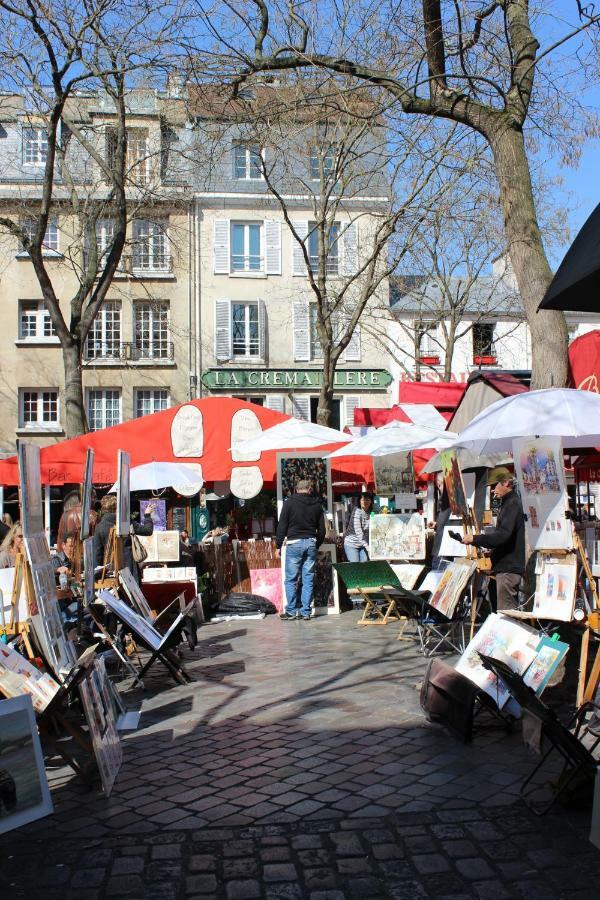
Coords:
584,362
196,432
444,395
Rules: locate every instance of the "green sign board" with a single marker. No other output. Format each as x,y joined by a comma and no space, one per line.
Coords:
294,379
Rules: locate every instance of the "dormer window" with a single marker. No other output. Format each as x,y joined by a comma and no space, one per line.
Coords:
35,146
247,161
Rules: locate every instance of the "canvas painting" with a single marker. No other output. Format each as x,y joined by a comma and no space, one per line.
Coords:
549,654
89,594
139,626
453,480
407,573
555,588
86,495
45,615
292,468
450,587
158,514
18,676
539,468
326,600
123,498
100,716
20,614
394,474
162,546
511,642
24,792
268,583
397,536
134,594
30,483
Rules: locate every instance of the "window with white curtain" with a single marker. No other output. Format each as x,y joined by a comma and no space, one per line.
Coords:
103,408
150,400
151,330
104,337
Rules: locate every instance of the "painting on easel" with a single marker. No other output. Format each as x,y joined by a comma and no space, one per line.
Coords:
457,496
555,588
539,468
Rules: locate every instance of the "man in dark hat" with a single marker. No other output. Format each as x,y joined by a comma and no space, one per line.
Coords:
302,527
506,540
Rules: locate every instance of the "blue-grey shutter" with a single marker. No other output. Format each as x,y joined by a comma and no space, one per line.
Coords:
262,330
301,331
275,402
298,264
223,329
350,249
350,404
301,407
272,247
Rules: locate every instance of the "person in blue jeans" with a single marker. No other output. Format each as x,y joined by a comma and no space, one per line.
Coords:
302,527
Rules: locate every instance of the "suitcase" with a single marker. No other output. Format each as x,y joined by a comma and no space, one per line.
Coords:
448,698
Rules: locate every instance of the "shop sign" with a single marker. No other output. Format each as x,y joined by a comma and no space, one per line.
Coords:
294,379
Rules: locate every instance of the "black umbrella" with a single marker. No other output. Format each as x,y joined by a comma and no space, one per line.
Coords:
576,285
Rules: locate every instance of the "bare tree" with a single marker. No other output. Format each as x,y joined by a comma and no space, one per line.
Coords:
471,64
356,156
61,59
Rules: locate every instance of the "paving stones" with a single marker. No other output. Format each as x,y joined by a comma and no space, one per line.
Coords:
276,775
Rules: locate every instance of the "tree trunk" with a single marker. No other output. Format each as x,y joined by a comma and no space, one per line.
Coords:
449,354
549,337
326,395
74,413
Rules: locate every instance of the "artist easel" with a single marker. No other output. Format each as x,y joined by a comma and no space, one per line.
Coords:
113,559
375,613
22,573
483,563
586,691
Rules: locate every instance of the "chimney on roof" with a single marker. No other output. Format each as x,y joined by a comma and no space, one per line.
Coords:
175,85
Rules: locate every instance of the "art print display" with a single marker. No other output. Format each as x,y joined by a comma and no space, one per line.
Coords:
555,588
100,716
139,626
9,617
309,465
45,617
123,496
86,495
457,496
407,573
504,639
550,654
268,583
394,474
450,587
397,536
245,425
161,546
158,513
18,676
539,468
24,791
134,594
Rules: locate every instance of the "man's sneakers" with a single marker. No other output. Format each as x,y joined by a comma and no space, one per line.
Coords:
304,618
286,617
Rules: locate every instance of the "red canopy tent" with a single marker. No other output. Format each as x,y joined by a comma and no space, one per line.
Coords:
195,432
444,395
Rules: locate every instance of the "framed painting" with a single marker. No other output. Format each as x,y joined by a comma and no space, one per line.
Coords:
24,791
268,583
396,536
86,495
539,467
309,465
555,588
123,498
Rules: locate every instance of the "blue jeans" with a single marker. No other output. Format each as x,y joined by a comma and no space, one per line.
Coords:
300,561
355,554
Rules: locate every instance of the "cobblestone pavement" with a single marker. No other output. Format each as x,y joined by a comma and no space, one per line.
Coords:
298,764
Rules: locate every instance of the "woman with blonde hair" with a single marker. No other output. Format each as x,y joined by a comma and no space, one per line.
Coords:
10,546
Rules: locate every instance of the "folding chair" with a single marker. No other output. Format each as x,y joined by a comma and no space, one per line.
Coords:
579,763
438,634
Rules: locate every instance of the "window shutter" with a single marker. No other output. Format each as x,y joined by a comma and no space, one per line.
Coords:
352,351
272,247
223,329
350,404
262,330
301,329
298,264
275,402
221,247
350,244
301,407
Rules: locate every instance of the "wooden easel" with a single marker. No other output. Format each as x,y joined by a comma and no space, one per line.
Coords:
22,571
587,690
113,558
483,563
382,614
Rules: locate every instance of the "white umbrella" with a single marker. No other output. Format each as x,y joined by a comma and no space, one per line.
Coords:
469,460
293,434
397,437
153,476
554,412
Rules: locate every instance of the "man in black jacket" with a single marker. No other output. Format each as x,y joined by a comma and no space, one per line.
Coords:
506,540
302,527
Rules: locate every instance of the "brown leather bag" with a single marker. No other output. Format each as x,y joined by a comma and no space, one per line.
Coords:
448,698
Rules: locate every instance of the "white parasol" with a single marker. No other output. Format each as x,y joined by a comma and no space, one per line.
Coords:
397,437
293,434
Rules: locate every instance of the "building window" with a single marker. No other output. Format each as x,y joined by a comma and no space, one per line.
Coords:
331,248
247,161
245,329
50,243
147,401
35,146
105,234
38,408
483,343
321,161
35,323
103,408
152,331
316,351
137,157
104,337
429,348
246,247
150,246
